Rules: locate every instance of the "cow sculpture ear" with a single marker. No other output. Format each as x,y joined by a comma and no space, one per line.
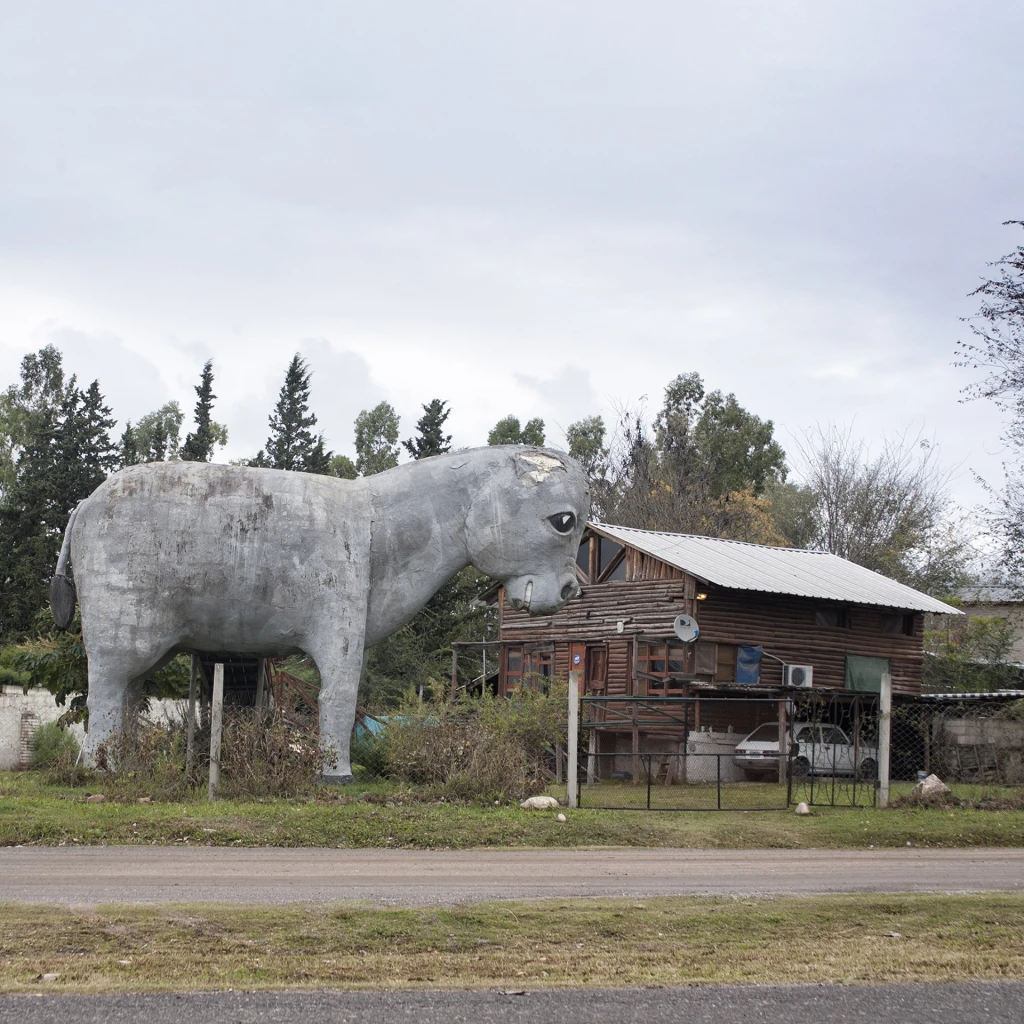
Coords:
563,522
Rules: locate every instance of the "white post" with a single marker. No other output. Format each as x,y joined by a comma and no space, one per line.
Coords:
884,725
190,744
574,737
216,726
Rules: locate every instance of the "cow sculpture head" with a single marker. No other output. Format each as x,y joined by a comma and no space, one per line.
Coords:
526,528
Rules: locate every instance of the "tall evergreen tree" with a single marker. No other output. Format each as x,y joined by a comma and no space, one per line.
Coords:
291,444
129,446
67,452
199,444
376,439
432,439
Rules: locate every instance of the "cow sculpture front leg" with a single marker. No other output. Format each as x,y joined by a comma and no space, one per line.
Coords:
340,663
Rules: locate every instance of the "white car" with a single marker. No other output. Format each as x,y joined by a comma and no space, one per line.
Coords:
821,749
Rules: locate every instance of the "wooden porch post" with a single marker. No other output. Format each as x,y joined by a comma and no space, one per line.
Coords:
783,745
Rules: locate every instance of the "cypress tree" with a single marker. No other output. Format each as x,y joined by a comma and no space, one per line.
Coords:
67,453
291,444
432,440
198,446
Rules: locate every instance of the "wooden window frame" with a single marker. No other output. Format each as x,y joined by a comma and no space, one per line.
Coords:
647,653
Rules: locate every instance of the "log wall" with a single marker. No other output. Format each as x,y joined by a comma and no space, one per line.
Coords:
647,602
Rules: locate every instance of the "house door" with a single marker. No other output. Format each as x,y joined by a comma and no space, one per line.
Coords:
596,678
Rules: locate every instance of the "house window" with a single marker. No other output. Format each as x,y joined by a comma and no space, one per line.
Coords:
608,550
583,557
513,667
897,625
725,671
527,667
661,668
832,618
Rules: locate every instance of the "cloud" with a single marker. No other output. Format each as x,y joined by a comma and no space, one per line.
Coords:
131,383
566,397
340,387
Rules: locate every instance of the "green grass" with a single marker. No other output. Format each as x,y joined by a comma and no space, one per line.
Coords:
668,941
382,816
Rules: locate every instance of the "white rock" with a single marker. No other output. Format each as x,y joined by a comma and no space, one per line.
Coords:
930,789
802,808
560,817
539,803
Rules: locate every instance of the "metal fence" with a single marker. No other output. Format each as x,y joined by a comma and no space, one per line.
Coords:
672,781
724,753
679,753
964,740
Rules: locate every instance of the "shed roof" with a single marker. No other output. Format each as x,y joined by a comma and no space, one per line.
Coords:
794,571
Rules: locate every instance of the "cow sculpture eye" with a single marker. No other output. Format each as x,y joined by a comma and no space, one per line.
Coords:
563,522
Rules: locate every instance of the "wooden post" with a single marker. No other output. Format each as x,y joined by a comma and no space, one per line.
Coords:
190,744
261,686
216,727
884,727
927,744
574,737
636,751
783,745
591,756
455,672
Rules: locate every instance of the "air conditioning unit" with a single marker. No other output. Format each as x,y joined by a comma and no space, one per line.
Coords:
797,676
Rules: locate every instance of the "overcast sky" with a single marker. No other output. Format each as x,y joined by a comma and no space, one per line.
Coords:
546,208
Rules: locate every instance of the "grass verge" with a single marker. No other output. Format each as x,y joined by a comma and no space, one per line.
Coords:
673,941
33,813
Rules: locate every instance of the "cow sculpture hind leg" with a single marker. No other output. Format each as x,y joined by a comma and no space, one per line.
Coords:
115,673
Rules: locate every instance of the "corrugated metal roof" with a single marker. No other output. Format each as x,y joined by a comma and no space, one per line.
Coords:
988,695
739,566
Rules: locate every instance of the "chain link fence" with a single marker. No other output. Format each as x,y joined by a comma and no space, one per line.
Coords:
964,740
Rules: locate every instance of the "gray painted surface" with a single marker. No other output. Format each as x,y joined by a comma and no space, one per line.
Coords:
796,571
997,1002
187,556
148,874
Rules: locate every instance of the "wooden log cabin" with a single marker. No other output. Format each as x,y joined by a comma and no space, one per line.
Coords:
788,608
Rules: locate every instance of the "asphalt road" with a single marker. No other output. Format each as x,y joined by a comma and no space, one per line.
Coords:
978,1003
124,874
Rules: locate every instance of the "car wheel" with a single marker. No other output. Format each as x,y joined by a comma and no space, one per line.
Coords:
801,767
868,770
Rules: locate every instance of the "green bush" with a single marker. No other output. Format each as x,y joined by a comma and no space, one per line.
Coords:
478,748
56,753
51,744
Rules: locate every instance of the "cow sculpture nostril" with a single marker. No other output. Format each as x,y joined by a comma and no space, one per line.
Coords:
569,590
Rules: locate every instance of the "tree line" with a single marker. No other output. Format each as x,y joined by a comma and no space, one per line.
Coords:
700,463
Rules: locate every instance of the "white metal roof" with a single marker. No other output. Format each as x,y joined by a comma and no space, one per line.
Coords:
795,571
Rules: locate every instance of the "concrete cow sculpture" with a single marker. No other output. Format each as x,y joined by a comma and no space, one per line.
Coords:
185,556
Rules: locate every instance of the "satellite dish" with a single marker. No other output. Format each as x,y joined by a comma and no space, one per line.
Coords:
685,627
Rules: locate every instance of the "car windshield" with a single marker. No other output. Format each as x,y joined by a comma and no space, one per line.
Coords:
764,733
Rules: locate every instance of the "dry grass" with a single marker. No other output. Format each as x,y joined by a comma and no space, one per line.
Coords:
668,941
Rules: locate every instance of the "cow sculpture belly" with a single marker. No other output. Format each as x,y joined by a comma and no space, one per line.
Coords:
184,556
